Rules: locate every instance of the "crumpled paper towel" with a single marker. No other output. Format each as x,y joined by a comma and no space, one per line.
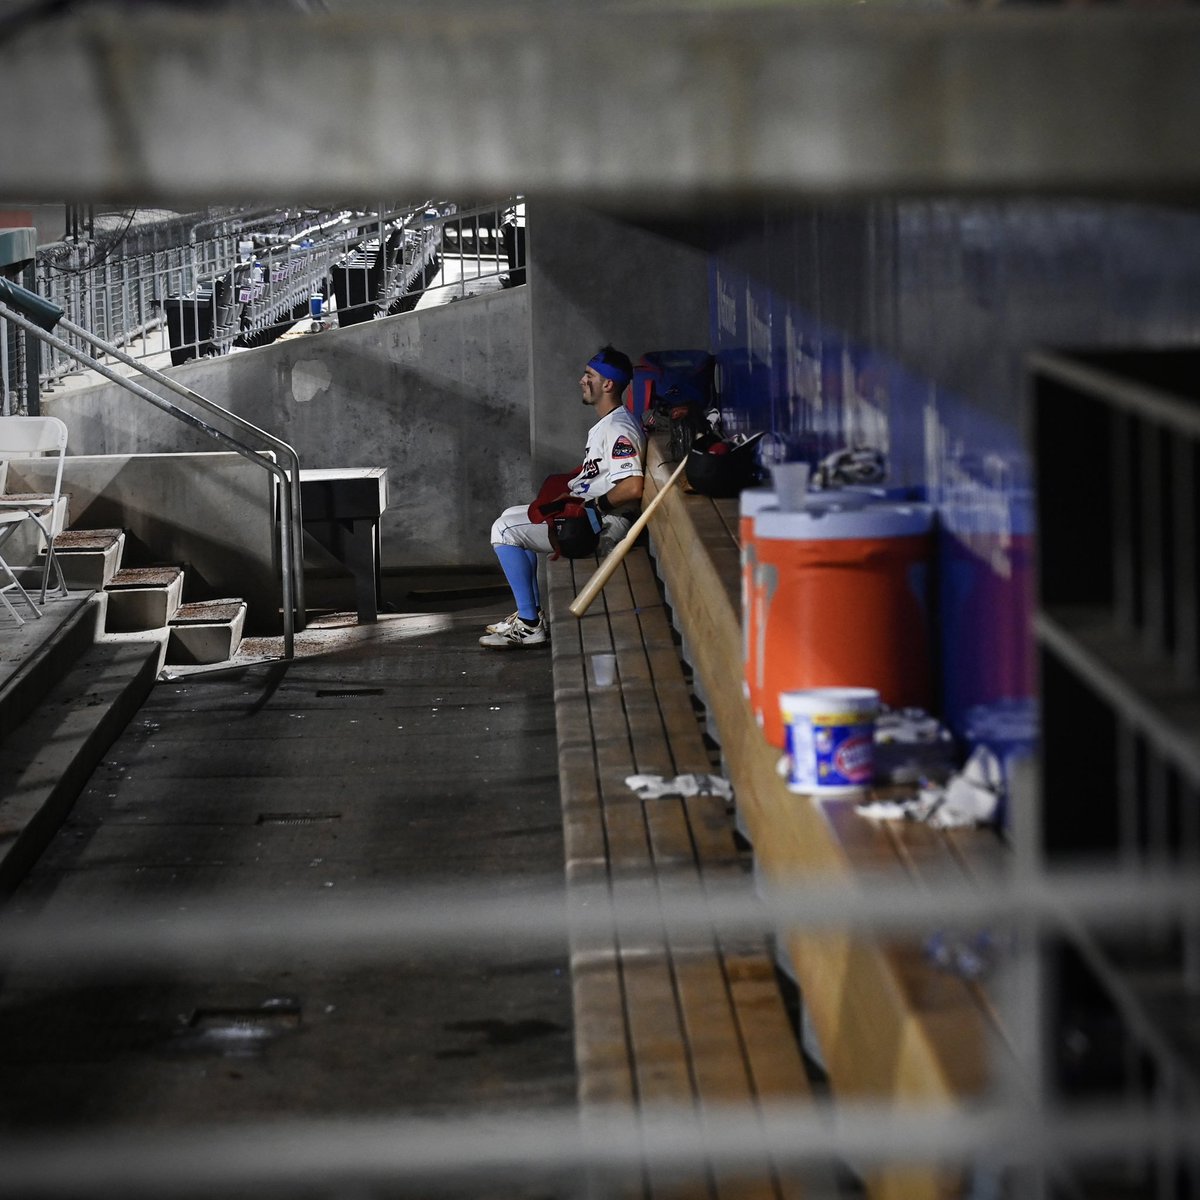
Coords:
968,798
649,787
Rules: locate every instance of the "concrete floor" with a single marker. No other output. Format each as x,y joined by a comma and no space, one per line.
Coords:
383,755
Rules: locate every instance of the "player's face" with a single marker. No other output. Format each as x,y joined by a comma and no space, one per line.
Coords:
591,385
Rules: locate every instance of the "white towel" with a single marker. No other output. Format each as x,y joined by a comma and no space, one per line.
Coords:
648,787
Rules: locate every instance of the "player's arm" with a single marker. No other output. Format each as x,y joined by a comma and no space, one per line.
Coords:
625,493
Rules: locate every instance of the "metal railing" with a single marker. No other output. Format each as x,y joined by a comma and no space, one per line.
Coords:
209,283
202,284
1116,439
290,525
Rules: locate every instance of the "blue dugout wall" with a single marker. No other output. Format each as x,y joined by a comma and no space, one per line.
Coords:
903,325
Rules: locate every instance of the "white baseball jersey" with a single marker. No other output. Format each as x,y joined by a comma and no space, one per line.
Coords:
615,446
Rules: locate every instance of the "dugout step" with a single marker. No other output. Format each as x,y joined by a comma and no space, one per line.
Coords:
205,632
89,558
143,598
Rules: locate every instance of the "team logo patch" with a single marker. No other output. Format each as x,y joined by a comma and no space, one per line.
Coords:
624,448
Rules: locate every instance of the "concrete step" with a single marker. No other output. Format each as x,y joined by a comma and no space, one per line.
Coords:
36,656
154,640
48,758
143,598
206,631
90,557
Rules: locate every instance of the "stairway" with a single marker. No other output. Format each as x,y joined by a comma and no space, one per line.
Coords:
148,601
62,705
72,680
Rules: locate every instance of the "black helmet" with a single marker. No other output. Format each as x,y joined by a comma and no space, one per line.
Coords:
720,468
573,536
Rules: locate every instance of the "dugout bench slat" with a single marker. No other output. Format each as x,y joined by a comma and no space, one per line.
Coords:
660,1019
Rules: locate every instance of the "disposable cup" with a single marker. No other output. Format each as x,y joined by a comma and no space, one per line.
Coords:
790,480
604,669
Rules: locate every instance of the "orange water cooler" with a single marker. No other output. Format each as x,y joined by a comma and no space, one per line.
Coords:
751,502
839,598
754,501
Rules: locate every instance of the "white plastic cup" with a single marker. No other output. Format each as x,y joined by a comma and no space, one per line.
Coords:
604,669
790,480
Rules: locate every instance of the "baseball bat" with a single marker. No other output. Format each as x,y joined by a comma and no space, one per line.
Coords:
603,572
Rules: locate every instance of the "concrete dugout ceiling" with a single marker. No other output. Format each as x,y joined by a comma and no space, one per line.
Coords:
605,102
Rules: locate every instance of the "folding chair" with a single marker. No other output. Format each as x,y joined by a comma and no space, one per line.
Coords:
34,437
10,521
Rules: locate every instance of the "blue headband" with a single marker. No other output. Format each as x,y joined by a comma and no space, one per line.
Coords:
608,370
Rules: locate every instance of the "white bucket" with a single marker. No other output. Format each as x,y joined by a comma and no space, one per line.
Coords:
829,736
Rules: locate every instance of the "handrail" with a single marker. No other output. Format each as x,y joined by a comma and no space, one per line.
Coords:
287,524
211,406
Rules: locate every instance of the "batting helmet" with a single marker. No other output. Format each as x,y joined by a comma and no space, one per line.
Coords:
573,533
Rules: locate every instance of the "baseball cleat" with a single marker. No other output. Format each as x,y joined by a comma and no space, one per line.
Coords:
508,622
518,634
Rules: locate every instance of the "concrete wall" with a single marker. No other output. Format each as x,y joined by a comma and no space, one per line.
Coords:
906,324
468,405
439,396
595,278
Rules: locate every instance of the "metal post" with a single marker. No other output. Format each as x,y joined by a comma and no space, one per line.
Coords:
1186,650
1123,432
1026,994
1150,538
4,373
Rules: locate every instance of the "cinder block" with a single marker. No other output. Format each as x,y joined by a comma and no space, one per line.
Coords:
141,600
196,639
90,558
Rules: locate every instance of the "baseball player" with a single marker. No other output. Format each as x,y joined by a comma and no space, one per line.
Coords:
610,481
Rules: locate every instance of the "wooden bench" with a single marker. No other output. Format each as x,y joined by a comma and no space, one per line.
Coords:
890,1025
667,1020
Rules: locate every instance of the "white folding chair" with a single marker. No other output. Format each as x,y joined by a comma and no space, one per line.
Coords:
10,521
36,437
